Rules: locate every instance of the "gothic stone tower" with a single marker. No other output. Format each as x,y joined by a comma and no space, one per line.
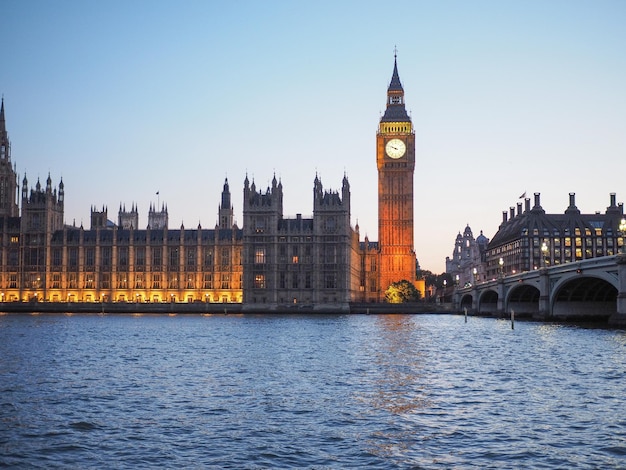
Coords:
42,215
8,177
128,220
157,220
395,159
225,212
262,212
332,250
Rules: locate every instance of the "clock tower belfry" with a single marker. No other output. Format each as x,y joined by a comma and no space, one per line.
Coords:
395,160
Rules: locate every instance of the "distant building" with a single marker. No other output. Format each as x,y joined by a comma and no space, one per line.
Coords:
467,264
529,238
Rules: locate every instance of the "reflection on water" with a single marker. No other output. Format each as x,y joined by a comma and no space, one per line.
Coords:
397,384
401,380
319,391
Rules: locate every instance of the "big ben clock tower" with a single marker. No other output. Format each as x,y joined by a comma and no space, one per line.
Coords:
395,159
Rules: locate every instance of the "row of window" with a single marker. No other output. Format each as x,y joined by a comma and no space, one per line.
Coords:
596,231
126,281
35,257
329,255
295,281
577,241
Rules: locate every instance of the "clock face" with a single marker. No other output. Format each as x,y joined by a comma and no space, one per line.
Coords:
395,148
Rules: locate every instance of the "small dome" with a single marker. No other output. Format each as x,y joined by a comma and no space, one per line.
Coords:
481,239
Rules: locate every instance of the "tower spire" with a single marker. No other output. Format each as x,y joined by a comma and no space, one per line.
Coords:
395,84
395,111
5,146
2,123
225,210
8,175
3,127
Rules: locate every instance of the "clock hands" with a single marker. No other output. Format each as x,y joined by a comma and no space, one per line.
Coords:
395,148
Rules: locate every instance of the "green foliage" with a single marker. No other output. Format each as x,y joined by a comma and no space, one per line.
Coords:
435,279
402,291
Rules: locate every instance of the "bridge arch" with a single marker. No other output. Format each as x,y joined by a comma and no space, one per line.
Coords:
523,298
584,297
467,302
488,301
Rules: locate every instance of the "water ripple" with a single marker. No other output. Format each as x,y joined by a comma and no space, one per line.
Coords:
318,392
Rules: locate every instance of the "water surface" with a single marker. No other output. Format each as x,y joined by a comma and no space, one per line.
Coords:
271,391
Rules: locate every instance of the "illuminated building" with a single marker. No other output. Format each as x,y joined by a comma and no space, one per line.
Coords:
530,239
273,262
395,159
46,261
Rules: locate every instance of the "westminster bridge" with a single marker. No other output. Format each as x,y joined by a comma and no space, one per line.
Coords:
584,290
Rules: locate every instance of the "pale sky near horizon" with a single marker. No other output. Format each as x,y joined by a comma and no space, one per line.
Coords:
123,99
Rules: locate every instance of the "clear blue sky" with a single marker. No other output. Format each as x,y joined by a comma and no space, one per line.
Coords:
123,99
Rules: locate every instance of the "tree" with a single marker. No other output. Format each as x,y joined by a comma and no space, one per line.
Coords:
435,279
402,291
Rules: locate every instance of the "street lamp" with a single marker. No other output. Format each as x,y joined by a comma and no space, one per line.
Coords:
443,297
622,231
475,271
501,264
544,253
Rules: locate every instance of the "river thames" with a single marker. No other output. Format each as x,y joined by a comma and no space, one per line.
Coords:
310,391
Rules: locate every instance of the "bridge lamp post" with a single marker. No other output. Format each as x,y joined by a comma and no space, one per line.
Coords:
501,268
475,271
544,254
622,231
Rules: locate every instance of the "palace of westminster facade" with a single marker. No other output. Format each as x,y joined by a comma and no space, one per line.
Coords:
271,262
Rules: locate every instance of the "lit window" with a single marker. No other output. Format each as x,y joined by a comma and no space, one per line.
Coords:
259,256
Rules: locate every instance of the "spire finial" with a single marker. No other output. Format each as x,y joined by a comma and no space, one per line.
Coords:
3,128
395,52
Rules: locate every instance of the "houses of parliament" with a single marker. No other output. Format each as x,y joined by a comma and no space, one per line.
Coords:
271,262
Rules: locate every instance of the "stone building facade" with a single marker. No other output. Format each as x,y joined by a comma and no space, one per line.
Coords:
44,260
273,262
529,238
310,263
